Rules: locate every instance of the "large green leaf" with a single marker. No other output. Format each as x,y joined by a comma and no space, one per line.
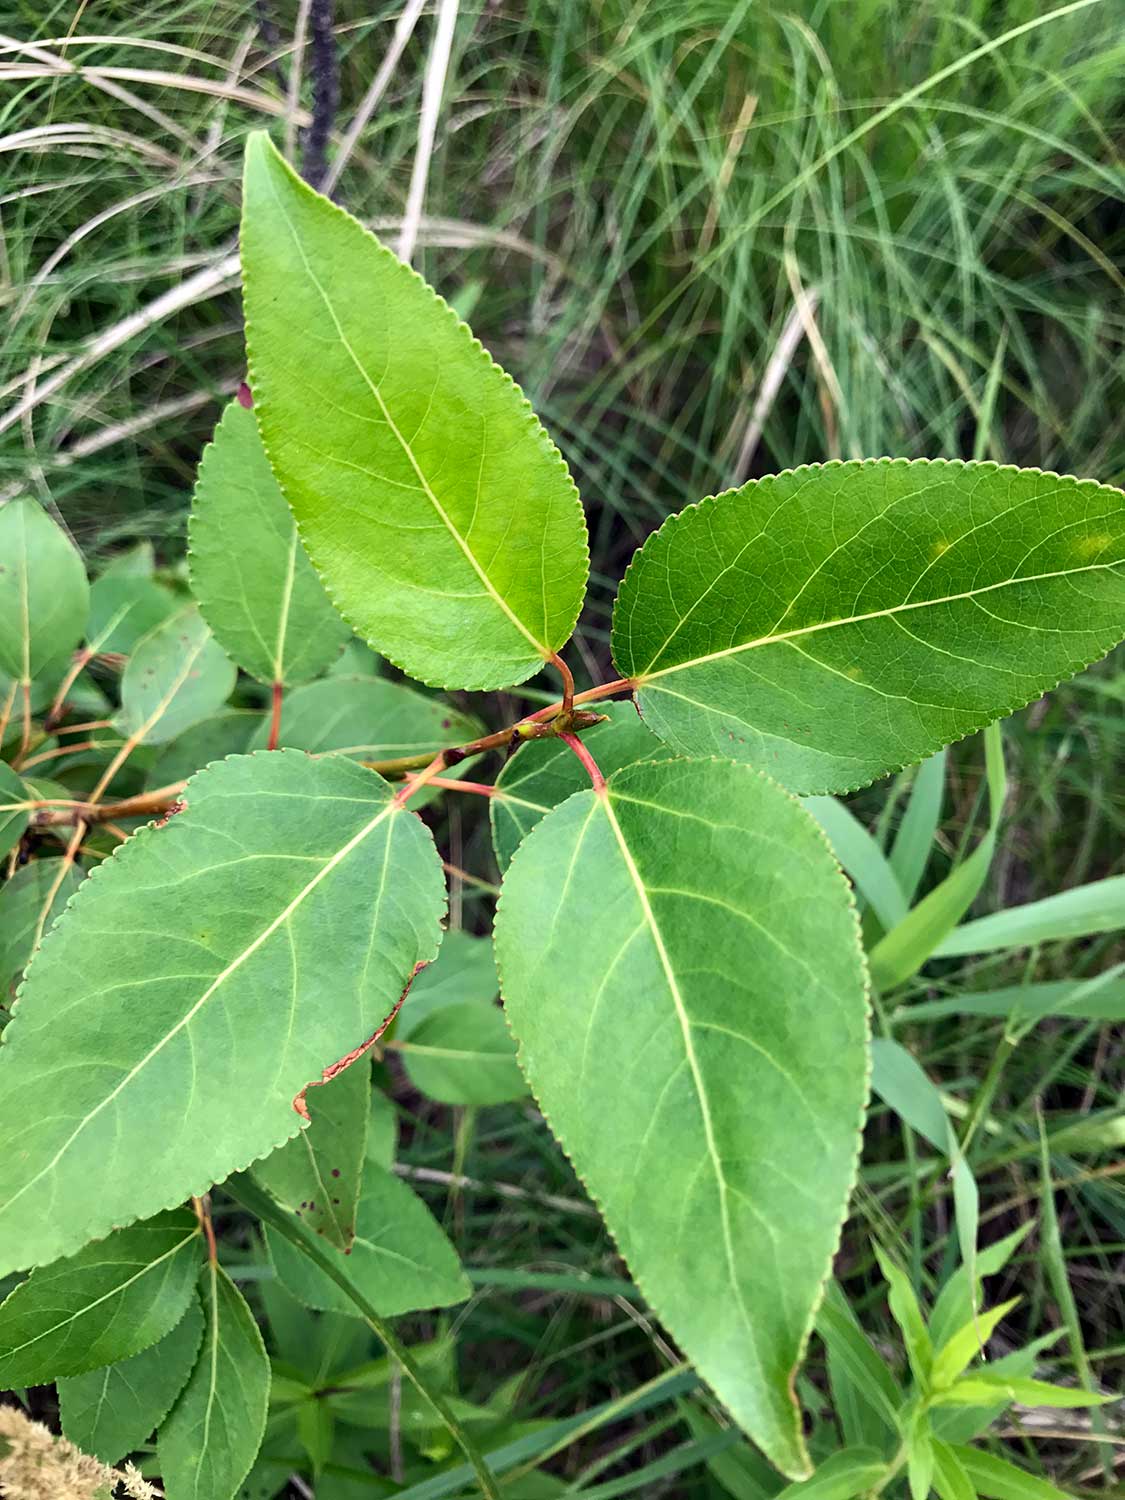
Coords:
109,1301
206,973
838,621
400,1259
255,585
176,676
464,1054
440,515
111,1411
318,1174
681,966
546,772
44,596
214,1431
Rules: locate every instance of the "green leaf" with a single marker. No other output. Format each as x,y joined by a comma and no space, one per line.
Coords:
464,971
44,596
546,772
920,1461
1099,999
654,948
836,622
212,1436
249,573
272,926
15,815
1000,1480
908,1315
112,1411
440,515
109,1301
908,946
898,1079
743,1473
914,842
979,1388
177,676
969,1340
318,1174
950,1479
464,1054
1097,907
861,857
954,1306
863,1386
844,1474
400,1259
124,608
368,718
228,732
22,900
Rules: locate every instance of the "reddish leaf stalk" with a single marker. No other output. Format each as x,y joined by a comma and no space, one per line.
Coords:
277,692
587,760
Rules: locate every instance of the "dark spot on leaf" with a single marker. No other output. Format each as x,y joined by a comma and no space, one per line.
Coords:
335,1171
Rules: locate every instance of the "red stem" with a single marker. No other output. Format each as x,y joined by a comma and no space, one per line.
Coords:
275,719
587,760
568,682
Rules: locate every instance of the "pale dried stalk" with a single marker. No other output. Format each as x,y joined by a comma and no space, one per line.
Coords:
433,87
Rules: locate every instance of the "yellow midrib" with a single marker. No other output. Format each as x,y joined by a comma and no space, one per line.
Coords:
779,637
502,604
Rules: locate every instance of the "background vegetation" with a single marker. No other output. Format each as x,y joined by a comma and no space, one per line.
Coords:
712,239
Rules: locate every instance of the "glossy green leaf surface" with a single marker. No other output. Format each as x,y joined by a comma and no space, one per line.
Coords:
111,1411
178,675
44,595
255,586
546,772
839,621
109,1301
213,1433
438,512
464,1054
272,927
318,1174
368,718
22,902
716,1014
400,1259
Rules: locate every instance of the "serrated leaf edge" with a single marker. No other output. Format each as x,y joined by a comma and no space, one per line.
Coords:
815,1305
